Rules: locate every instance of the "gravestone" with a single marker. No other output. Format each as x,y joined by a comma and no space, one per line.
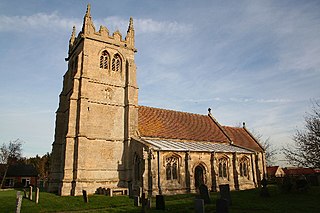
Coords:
143,202
18,202
137,201
222,206
130,190
264,190
204,193
25,195
30,192
160,204
85,196
199,206
37,195
225,193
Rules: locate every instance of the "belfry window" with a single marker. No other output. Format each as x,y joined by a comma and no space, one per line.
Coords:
104,60
116,63
172,168
223,168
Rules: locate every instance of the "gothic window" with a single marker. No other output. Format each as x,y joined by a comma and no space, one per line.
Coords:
244,167
172,168
223,168
104,60
116,63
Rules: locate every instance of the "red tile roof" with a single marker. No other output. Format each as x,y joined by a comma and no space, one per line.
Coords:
169,124
298,171
241,137
271,170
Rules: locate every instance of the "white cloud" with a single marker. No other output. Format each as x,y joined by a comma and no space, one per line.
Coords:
43,21
38,21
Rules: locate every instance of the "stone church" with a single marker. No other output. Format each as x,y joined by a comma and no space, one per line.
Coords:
103,138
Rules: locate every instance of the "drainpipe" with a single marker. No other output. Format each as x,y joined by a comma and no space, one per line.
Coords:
159,185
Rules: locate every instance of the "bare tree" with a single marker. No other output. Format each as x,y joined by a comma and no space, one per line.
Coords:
270,150
10,154
306,148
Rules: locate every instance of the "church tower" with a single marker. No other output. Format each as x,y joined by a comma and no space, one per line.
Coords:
97,113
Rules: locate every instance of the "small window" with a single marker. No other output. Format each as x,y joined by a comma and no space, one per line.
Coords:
116,63
223,168
172,168
104,60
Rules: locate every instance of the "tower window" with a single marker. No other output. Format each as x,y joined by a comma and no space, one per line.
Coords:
116,63
104,60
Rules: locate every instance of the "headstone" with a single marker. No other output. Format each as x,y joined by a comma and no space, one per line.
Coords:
204,193
149,203
264,190
85,196
25,195
199,206
222,206
137,201
18,203
160,204
143,202
30,192
225,193
130,191
37,195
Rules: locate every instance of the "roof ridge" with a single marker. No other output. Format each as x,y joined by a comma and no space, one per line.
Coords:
172,110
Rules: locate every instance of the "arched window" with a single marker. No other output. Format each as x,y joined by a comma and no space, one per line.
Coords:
244,163
104,60
172,168
223,168
116,63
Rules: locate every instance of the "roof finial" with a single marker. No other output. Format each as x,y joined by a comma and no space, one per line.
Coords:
73,37
244,124
209,110
131,23
88,10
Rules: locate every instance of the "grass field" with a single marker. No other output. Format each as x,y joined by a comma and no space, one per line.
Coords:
242,201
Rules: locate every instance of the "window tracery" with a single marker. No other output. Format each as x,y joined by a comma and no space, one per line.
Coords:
223,168
172,168
104,60
244,164
116,63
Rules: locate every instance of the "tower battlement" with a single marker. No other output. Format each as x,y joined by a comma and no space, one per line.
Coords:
103,34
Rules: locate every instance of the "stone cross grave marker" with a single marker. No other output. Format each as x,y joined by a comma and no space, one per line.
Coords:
225,193
204,193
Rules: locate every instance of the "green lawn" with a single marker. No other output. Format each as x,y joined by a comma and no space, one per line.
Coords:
242,201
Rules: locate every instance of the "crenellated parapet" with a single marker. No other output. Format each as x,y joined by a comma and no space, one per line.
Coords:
103,35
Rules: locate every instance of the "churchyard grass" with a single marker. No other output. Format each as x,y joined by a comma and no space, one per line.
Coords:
242,201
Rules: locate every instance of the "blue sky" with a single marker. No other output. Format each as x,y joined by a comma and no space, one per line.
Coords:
252,61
